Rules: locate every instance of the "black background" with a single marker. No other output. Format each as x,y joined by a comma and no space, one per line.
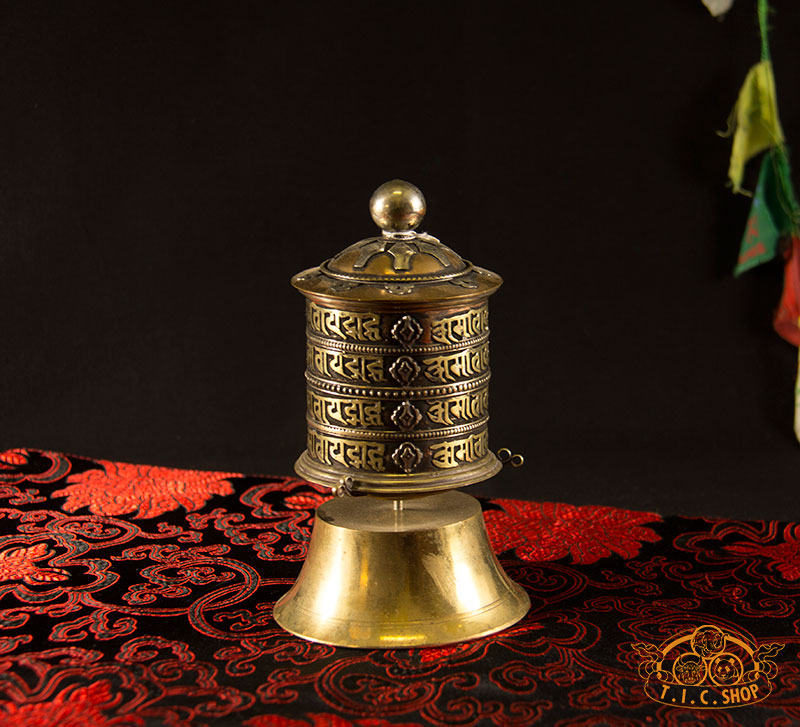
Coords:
166,167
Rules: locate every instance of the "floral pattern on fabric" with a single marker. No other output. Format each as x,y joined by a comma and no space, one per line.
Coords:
548,531
81,707
20,564
119,488
113,617
783,557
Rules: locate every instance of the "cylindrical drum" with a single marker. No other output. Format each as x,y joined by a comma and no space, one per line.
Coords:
397,359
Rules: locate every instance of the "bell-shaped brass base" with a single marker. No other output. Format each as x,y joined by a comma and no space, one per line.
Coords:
394,574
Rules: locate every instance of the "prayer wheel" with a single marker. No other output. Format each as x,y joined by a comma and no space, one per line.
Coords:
397,375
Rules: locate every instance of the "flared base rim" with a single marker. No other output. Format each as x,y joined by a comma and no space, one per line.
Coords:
403,635
421,575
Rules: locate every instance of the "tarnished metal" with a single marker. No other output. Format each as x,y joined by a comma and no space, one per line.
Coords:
397,359
397,375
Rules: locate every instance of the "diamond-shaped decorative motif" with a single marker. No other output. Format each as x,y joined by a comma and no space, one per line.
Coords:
406,416
404,370
407,456
407,330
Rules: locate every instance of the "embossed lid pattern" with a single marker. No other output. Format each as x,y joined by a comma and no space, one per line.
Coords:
400,262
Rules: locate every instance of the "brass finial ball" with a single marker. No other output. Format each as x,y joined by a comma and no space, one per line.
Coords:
397,206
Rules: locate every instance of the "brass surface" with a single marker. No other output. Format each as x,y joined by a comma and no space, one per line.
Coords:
397,206
397,382
384,575
401,294
396,483
394,398
398,268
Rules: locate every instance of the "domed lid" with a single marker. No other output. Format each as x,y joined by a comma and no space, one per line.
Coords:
399,264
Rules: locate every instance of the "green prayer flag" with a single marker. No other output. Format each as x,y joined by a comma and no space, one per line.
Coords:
773,213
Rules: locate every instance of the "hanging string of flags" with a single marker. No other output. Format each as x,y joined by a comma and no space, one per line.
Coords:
772,225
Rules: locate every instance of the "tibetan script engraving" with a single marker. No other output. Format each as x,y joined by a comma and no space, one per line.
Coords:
453,329
459,408
345,365
346,452
348,412
454,366
346,325
457,451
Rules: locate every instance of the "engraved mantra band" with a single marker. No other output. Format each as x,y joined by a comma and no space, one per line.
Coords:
369,414
397,392
369,327
445,368
360,455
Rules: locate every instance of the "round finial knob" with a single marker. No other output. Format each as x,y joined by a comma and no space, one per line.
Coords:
397,206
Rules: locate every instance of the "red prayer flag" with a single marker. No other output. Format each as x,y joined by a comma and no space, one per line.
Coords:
788,311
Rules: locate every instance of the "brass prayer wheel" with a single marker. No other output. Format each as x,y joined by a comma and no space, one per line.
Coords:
397,374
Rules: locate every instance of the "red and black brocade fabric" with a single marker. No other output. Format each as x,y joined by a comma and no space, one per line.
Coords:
135,596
